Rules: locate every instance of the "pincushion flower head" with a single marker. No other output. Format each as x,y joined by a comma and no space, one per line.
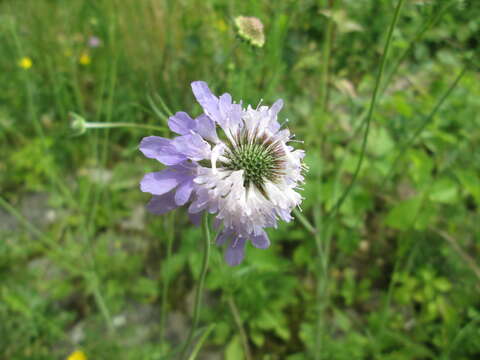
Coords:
231,161
250,29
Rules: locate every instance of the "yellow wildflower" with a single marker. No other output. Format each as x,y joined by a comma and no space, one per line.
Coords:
85,59
25,63
77,355
221,25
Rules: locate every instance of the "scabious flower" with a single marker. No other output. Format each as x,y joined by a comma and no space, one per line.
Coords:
250,29
94,42
230,161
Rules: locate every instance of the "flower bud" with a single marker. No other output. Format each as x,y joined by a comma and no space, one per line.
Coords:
250,29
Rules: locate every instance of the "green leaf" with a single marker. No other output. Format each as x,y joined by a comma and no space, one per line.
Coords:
403,215
444,191
470,182
257,337
380,143
234,349
442,284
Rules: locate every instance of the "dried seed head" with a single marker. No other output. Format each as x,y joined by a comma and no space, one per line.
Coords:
250,29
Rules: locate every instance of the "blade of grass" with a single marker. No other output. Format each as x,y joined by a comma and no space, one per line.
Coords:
200,342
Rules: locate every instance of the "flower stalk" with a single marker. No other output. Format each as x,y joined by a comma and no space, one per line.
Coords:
201,283
79,125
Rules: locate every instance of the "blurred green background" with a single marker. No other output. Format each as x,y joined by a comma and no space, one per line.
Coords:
393,273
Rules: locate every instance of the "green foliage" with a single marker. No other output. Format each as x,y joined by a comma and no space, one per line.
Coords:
391,274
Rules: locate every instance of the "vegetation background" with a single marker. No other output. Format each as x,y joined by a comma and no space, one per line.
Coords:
386,268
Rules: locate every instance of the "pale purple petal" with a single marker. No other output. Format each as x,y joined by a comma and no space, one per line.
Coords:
183,193
224,104
206,99
159,183
260,241
185,167
150,146
181,123
274,110
205,127
200,203
196,219
192,146
223,236
284,214
276,107
235,252
216,223
197,206
161,204
161,149
231,114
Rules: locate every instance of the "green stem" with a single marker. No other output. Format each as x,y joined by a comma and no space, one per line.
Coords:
100,301
241,330
108,125
321,296
323,248
373,102
416,39
201,283
304,221
409,142
401,59
326,50
198,345
166,276
94,281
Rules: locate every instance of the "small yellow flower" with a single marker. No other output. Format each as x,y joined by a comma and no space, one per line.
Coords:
85,59
221,25
77,355
25,63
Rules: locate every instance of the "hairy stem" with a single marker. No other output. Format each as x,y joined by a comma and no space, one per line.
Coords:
409,142
370,109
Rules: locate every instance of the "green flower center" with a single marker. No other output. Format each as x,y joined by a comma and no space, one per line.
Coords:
260,158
